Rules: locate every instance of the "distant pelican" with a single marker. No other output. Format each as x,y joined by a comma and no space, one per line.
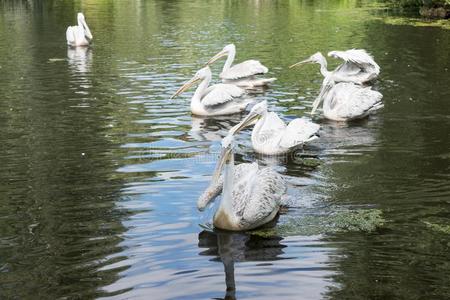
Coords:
271,136
242,74
216,100
358,67
251,196
347,101
79,35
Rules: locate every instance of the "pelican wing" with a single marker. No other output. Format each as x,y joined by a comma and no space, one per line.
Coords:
221,93
263,197
70,35
358,57
245,69
351,101
298,132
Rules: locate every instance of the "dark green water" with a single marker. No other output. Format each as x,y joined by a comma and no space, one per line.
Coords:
100,172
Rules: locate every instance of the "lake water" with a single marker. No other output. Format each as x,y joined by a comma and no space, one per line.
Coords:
100,171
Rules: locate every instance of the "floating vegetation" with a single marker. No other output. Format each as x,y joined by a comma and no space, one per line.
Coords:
56,59
366,220
442,228
418,22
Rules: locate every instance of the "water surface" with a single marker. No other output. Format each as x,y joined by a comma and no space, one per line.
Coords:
100,171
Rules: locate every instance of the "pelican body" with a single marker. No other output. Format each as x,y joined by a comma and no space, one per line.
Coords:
79,35
215,100
251,196
358,67
242,74
347,101
271,136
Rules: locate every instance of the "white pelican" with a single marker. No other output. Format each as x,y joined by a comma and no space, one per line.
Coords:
271,136
79,35
216,100
242,74
358,67
347,101
251,196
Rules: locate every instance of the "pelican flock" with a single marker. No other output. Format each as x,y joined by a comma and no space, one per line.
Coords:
79,35
252,195
242,74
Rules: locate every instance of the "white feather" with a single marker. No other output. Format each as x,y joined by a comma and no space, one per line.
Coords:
245,69
221,93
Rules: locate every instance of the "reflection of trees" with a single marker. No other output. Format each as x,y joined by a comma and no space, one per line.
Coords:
229,248
59,224
404,174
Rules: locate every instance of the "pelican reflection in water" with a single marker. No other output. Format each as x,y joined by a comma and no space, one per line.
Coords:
229,247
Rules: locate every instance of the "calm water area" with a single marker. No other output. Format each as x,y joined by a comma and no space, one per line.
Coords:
100,172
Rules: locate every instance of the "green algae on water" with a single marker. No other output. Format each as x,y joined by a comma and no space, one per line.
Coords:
442,228
365,220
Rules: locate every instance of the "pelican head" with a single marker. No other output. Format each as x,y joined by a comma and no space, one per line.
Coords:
225,158
82,22
199,76
317,58
255,113
231,48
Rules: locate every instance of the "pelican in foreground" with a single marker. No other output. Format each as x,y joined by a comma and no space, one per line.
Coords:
251,196
242,74
358,67
216,100
347,101
79,35
271,136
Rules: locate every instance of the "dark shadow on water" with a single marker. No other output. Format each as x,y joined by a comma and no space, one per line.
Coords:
230,248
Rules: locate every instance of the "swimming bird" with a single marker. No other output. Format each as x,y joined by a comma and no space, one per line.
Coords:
347,101
358,67
79,35
271,136
218,99
251,196
242,74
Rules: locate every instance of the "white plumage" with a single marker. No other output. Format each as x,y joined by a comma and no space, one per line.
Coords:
79,35
242,74
347,101
218,99
358,67
271,136
251,196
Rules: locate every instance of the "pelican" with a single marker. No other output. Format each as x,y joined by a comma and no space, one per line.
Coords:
271,136
347,101
358,67
251,196
79,35
242,74
216,100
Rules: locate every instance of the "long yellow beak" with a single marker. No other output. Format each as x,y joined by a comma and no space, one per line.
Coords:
300,63
185,86
224,157
247,121
216,57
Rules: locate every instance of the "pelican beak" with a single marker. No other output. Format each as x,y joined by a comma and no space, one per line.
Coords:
316,104
216,57
185,86
87,32
301,63
247,121
223,159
